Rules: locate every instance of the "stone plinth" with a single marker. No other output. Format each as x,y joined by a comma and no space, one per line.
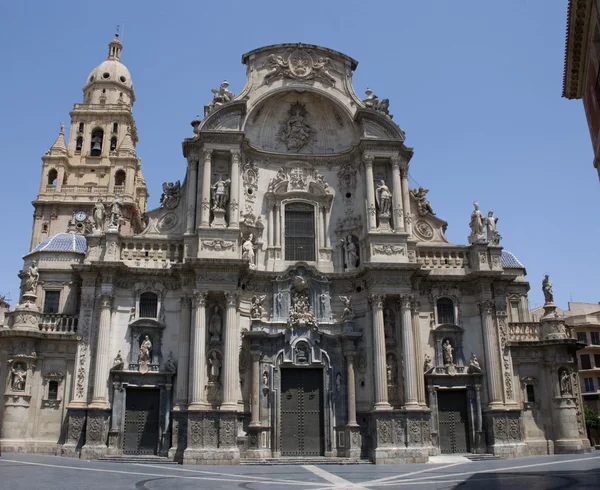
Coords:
96,435
212,438
400,436
504,433
27,314
218,219
553,328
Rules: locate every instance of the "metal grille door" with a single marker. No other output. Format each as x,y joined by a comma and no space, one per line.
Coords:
299,232
301,412
453,420
141,421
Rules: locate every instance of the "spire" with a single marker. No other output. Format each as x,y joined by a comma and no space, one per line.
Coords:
114,49
126,148
59,147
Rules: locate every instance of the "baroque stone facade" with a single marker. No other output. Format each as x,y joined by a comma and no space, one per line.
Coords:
291,296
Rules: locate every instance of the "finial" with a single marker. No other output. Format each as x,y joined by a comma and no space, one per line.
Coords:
368,92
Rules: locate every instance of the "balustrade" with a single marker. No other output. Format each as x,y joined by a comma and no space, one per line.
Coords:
524,332
151,251
58,323
445,259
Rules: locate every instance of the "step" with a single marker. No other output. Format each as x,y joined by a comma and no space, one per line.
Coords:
303,461
138,459
482,457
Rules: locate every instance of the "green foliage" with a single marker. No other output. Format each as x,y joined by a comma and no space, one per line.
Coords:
592,420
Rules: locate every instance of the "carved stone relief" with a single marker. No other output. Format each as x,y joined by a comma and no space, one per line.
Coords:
299,64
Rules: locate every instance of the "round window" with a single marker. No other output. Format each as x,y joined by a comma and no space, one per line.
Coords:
106,75
122,78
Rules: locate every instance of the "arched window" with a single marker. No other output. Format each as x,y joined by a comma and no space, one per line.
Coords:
113,143
52,177
78,143
115,127
148,305
299,232
96,143
445,311
120,178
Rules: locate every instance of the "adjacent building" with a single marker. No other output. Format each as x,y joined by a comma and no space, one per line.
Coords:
291,296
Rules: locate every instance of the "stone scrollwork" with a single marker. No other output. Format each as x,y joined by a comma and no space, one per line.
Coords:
347,180
217,245
424,230
385,249
299,64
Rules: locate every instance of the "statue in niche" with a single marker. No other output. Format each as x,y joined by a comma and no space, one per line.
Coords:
116,211
256,310
19,377
145,351
301,353
388,324
279,303
547,290
448,352
215,367
392,370
384,199
99,215
221,96
248,250
348,313
215,326
493,237
118,361
32,276
428,363
476,225
565,383
324,301
295,132
220,193
423,205
351,253
338,383
265,380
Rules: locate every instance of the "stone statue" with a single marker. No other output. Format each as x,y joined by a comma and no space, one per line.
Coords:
428,363
132,314
170,365
348,313
547,290
256,309
118,361
474,362
384,198
320,179
448,352
351,253
388,324
220,193
215,367
493,237
99,215
116,211
280,177
338,383
565,383
423,205
215,326
265,380
19,377
145,350
221,96
32,276
295,132
248,250
392,370
373,102
476,225
171,194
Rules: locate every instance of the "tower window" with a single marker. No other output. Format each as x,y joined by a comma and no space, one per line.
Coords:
120,177
80,127
113,143
530,394
299,232
51,301
445,311
53,390
148,305
115,127
52,177
96,143
78,143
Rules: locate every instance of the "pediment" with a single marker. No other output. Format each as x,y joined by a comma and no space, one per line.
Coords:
228,117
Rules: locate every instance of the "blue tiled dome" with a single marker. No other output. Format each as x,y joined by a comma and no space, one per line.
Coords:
510,261
63,242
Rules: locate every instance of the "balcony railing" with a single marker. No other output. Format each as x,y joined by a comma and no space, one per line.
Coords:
524,332
58,323
443,259
80,189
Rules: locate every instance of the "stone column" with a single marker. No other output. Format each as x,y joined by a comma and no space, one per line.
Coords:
205,204
230,354
406,199
351,394
270,224
408,353
398,214
369,183
323,227
59,179
181,397
277,227
100,396
416,307
191,196
256,385
491,361
381,395
327,219
234,190
198,352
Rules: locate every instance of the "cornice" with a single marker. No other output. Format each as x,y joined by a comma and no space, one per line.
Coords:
579,18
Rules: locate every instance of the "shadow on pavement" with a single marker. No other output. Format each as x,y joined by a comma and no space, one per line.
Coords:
555,480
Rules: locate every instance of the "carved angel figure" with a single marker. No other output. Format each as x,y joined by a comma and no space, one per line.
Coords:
384,198
256,309
423,205
493,237
428,363
476,225
547,289
348,313
474,362
220,193
221,96
118,360
99,215
277,67
170,196
32,276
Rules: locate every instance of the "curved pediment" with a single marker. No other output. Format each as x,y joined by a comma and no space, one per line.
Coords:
378,126
300,122
228,117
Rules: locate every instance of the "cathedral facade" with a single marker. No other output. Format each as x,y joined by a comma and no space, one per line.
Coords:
292,296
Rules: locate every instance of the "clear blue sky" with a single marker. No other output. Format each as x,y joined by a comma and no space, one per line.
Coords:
475,84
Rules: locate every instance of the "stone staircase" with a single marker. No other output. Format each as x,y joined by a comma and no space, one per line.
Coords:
482,457
134,459
303,461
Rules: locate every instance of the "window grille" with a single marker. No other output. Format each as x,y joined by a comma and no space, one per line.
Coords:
51,301
445,311
299,232
53,390
148,305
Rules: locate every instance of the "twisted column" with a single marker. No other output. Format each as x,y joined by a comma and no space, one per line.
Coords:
100,394
381,395
205,196
181,394
198,352
256,383
492,364
234,199
191,196
406,198
397,195
369,182
231,357
408,352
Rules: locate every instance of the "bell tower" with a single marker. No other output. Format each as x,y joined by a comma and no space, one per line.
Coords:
97,160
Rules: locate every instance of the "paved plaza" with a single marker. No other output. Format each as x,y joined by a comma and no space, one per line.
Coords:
28,471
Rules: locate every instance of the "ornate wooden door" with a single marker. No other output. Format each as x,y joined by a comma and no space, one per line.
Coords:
453,421
301,412
141,421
